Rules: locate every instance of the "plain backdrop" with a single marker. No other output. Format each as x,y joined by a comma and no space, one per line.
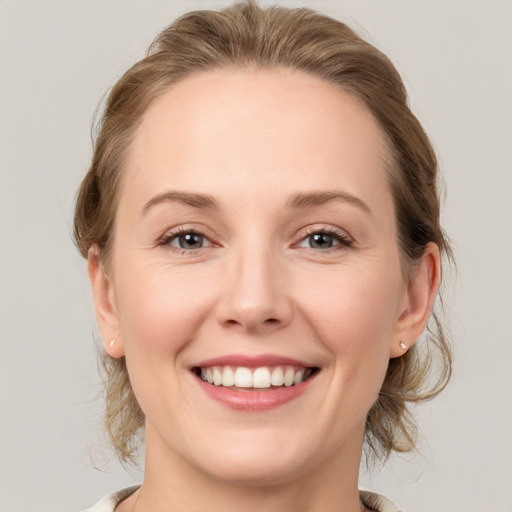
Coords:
58,58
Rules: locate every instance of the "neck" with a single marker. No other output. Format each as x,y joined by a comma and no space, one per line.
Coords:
172,483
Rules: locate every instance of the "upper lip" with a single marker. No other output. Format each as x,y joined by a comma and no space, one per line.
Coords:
252,361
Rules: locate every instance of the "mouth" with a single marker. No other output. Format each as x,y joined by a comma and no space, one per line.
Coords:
243,378
254,382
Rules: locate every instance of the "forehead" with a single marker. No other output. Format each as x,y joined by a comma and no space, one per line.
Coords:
256,130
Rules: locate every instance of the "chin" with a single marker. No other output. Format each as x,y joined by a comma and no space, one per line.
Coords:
256,473
266,461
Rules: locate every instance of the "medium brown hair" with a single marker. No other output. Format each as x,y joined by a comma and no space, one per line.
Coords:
247,36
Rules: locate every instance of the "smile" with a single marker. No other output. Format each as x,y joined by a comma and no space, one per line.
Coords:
263,377
254,383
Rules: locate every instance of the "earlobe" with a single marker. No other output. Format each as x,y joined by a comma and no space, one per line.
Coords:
420,296
104,304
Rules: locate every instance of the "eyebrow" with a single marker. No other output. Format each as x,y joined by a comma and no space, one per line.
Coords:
203,201
304,200
296,201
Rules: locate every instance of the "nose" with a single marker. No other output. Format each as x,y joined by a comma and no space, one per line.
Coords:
254,298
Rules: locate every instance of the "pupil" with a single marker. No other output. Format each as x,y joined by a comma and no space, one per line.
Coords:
191,241
321,241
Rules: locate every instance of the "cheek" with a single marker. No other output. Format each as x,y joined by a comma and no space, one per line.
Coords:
354,313
160,308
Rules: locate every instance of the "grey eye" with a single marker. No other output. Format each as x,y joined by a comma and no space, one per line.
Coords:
321,241
189,241
324,240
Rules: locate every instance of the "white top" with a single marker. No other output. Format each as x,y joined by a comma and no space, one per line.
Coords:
371,500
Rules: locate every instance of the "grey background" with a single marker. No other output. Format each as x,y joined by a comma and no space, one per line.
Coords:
57,58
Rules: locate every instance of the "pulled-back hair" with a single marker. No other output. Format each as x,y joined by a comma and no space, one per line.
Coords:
248,36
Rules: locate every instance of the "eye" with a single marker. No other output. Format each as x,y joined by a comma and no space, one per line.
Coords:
189,241
186,240
324,240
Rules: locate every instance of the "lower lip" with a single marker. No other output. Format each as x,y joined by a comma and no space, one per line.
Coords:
255,400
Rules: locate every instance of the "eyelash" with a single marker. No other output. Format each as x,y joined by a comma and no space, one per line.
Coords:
342,239
166,240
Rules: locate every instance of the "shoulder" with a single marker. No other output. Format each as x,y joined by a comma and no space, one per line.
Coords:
377,502
371,500
110,502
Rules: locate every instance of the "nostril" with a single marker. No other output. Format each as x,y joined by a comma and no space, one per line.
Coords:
267,321
252,319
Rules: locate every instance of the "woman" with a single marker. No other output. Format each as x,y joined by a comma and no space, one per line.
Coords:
261,225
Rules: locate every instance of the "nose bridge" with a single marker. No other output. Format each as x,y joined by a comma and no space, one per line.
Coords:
255,297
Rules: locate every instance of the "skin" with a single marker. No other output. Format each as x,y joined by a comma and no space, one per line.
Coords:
251,139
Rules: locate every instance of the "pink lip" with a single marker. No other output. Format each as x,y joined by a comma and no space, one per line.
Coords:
254,400
252,361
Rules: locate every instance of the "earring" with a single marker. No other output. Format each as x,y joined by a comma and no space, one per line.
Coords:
403,345
112,342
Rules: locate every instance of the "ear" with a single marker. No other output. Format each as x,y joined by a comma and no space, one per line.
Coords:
418,302
104,303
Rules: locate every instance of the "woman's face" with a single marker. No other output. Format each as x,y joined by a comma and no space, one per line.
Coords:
255,244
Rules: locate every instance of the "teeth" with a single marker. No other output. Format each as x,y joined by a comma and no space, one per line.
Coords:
243,378
228,377
258,378
289,377
297,379
277,378
261,378
217,376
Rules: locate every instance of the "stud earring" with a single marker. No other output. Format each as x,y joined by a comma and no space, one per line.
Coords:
112,342
403,345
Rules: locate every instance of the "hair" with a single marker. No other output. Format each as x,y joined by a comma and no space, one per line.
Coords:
247,36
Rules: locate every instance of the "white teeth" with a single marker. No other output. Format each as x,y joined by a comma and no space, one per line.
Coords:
259,378
288,377
243,378
277,378
217,376
228,377
297,379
